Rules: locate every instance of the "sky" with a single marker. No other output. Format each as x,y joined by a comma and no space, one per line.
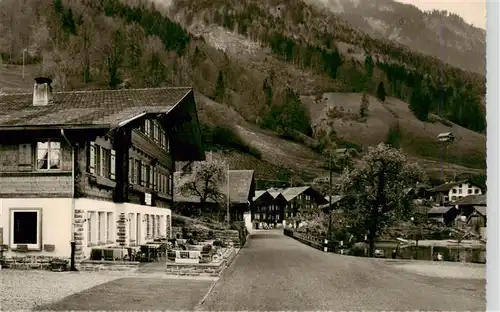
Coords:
472,11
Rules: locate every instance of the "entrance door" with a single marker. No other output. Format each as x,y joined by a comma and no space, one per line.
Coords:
247,217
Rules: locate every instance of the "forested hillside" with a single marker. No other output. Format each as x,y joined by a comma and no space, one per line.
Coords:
291,52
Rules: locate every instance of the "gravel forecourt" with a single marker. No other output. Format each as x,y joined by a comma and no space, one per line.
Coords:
26,289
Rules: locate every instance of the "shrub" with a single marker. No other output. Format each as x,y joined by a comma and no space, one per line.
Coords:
226,136
207,248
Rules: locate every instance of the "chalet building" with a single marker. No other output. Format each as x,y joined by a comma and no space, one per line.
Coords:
267,209
298,198
443,214
466,205
280,203
448,192
241,191
91,167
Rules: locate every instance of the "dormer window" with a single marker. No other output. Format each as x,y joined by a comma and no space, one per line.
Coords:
460,185
48,155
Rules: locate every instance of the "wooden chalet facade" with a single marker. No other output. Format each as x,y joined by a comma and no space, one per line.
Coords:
452,191
267,209
298,198
92,167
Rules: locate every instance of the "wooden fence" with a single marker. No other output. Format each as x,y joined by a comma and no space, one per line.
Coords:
315,242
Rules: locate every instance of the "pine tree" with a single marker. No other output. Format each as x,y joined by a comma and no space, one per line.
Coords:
381,92
220,88
369,65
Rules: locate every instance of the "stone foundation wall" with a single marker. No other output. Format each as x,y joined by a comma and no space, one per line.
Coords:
79,221
231,235
95,265
30,262
201,269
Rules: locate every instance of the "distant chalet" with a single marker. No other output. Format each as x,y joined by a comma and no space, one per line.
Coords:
93,167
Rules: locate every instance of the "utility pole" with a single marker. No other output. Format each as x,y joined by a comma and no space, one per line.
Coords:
24,52
228,196
330,201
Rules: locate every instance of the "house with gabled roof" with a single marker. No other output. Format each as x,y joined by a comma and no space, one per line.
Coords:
241,191
297,198
451,191
91,167
268,208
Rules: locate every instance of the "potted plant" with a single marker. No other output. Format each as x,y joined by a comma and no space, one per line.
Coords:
58,265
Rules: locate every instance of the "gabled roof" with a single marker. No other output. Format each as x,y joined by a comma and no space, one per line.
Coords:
106,108
263,197
482,210
258,194
292,192
479,200
240,187
335,199
439,210
447,186
241,183
444,134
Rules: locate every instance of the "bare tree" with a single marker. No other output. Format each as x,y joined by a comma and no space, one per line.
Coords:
205,181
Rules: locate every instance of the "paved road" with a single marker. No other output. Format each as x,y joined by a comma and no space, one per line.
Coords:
274,272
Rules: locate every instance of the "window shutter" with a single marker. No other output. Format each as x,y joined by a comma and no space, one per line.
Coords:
151,177
25,155
113,164
92,157
103,162
130,170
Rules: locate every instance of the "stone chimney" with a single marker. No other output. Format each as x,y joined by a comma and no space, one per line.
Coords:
42,91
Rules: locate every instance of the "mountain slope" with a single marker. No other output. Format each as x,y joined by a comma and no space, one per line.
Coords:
438,33
255,82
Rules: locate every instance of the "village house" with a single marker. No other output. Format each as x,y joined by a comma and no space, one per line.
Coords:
473,209
267,209
299,198
449,192
241,190
91,167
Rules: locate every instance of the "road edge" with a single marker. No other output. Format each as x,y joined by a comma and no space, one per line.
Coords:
229,261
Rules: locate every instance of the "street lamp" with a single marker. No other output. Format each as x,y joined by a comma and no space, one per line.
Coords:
415,237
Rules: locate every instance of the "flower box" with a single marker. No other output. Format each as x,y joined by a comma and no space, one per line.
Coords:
58,265
49,247
22,248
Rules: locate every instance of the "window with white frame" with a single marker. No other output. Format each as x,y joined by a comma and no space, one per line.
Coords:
131,226
151,177
143,174
100,224
89,227
147,127
157,225
148,226
109,223
113,165
26,228
153,225
137,171
48,155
